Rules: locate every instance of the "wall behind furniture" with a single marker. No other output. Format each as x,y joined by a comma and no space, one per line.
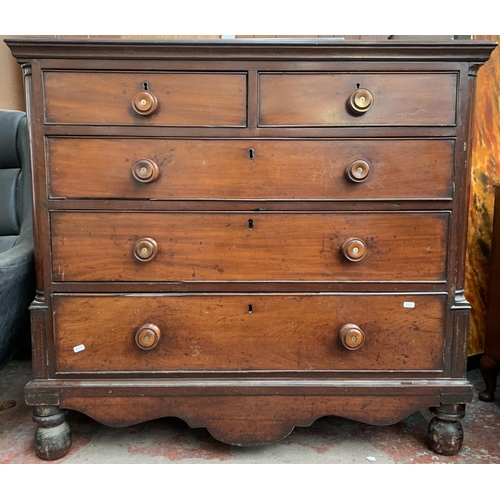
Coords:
11,80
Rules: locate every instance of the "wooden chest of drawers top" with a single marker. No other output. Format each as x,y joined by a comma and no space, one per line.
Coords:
252,162
251,121
285,84
220,100
181,145
224,114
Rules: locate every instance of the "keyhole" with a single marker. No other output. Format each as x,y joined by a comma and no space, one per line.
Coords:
250,224
358,85
251,153
250,308
146,85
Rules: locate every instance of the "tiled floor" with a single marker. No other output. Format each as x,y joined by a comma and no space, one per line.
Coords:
329,440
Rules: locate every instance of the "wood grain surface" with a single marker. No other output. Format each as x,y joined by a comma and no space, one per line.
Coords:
320,99
249,332
223,247
247,284
225,169
272,417
188,99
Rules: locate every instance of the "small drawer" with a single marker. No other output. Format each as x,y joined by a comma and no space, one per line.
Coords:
169,99
249,332
204,246
357,99
250,169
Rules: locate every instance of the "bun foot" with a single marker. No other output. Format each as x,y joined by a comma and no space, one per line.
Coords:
489,370
446,434
53,435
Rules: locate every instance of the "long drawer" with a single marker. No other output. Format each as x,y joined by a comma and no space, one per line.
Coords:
248,332
323,99
204,246
246,169
182,99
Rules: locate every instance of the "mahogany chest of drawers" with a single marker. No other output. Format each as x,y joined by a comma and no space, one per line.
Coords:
249,235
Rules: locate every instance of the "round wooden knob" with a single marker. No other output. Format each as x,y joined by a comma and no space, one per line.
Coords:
148,336
360,101
145,249
145,170
145,103
358,170
352,336
354,249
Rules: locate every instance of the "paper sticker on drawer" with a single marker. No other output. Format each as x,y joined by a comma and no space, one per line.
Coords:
79,348
409,305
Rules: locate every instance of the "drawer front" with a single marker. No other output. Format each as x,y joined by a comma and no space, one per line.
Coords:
217,332
248,246
321,100
244,169
183,99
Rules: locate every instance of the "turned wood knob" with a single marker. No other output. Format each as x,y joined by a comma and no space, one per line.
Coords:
145,103
360,101
352,336
354,249
148,336
145,249
145,170
358,170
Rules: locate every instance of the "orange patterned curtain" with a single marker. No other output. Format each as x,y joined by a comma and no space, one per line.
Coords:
485,173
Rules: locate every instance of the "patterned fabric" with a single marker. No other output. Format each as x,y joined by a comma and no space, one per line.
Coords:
485,173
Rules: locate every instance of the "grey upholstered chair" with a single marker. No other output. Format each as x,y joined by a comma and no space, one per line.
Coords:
17,277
